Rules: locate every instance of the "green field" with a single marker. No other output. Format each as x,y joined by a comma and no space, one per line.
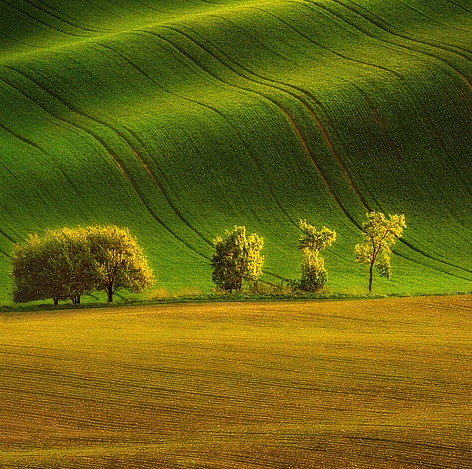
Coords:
356,384
180,118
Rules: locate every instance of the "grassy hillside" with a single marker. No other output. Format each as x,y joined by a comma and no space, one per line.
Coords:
180,119
379,383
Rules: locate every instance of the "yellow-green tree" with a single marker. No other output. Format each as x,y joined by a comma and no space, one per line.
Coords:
236,259
57,265
314,274
379,233
72,262
32,276
69,263
119,262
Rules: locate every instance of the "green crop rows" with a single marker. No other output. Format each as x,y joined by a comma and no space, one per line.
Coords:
180,119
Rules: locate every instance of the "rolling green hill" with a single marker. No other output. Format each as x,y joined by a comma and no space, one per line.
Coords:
182,118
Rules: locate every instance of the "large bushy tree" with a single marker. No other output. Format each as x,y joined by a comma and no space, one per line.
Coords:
57,265
313,272
236,259
32,274
379,233
119,262
70,263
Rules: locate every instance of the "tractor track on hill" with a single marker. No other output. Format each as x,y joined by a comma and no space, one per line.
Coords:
212,108
282,87
15,177
57,15
352,83
390,29
19,41
105,145
187,100
352,93
46,25
32,144
459,6
278,86
400,77
421,52
273,84
305,93
10,239
217,111
141,160
412,41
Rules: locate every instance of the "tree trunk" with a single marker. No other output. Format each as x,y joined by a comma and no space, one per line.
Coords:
56,301
110,293
370,277
75,299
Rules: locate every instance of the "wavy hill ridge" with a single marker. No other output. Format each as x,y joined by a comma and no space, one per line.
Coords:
180,119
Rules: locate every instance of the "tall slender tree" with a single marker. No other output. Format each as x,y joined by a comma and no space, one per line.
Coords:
314,274
379,234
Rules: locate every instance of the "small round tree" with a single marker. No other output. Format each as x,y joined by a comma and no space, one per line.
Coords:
237,259
314,274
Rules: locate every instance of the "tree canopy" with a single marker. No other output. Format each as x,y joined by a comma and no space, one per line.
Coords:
379,234
313,272
69,263
237,259
119,262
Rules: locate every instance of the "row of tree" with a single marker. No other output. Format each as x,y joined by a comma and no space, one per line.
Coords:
66,264
238,258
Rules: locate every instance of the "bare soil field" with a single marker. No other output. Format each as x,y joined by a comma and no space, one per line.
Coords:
320,384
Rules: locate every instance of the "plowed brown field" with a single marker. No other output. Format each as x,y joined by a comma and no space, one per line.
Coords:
352,384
